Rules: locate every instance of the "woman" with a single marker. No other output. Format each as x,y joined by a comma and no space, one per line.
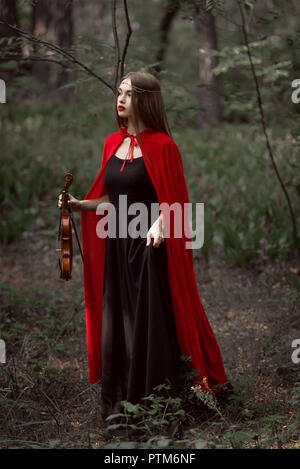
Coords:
143,310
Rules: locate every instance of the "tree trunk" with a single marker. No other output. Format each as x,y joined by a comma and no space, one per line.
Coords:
208,89
52,21
164,30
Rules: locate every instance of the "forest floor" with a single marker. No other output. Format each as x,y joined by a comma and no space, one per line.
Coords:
46,398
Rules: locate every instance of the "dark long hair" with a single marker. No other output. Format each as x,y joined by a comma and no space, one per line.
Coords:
147,104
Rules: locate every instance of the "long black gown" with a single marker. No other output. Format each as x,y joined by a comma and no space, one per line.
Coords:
139,340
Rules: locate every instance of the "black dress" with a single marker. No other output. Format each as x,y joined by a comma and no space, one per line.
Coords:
139,340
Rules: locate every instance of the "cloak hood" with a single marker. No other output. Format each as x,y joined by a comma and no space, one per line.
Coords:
195,335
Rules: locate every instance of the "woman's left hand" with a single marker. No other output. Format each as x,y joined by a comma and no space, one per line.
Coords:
156,232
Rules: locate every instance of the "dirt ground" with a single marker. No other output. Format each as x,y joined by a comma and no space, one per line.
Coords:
254,310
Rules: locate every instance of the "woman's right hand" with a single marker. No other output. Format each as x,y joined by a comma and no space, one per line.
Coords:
74,203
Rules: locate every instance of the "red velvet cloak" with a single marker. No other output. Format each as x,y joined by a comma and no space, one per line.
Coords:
195,335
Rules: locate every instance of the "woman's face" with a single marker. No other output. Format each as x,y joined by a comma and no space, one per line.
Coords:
124,105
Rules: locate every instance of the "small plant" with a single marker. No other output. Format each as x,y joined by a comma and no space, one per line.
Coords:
154,417
295,402
208,397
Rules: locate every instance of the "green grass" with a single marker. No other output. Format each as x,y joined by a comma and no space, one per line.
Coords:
245,211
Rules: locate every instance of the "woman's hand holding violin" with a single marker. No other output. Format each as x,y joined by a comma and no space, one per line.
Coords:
73,203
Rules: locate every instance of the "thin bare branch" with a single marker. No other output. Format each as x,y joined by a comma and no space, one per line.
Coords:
117,46
129,32
59,50
38,59
263,122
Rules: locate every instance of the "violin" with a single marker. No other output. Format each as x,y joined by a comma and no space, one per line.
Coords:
65,233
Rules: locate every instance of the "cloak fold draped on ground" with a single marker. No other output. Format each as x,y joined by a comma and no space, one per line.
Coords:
195,335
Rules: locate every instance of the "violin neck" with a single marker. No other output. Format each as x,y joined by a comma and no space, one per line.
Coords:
64,208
